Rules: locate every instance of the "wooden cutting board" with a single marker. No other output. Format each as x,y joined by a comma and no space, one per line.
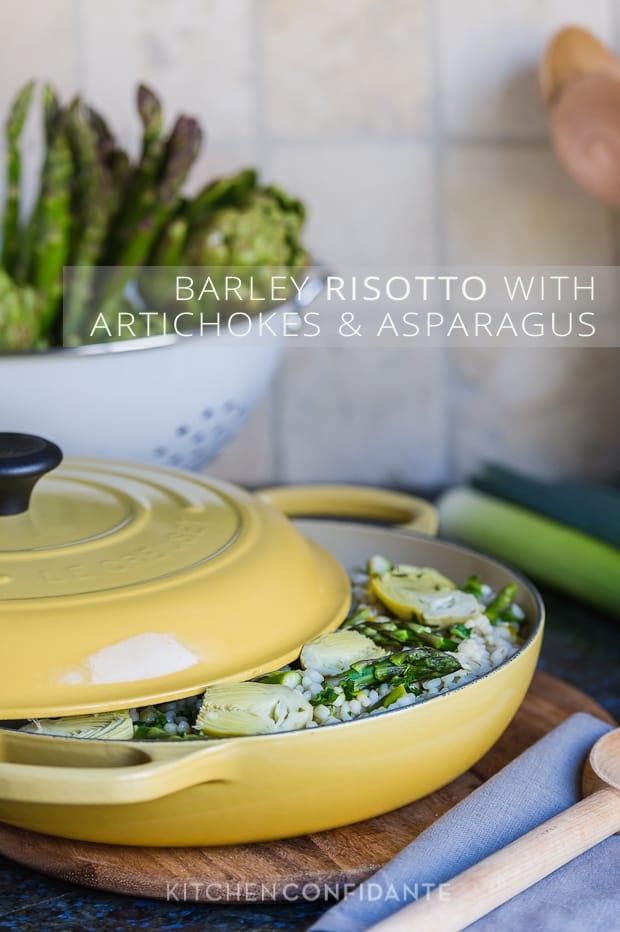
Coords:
328,861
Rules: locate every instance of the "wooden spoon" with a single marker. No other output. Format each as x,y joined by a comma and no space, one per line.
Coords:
585,128
485,886
572,53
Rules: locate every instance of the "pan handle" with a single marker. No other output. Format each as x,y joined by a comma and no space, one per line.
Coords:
354,501
125,775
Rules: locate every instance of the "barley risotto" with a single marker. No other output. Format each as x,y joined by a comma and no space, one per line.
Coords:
410,635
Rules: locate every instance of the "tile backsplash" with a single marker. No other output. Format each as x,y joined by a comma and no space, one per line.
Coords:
414,130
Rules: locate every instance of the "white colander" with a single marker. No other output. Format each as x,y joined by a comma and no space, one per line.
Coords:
166,400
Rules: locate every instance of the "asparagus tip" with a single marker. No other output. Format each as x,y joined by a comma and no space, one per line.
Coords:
148,103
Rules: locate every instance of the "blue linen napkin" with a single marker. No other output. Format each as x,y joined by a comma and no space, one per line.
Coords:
583,896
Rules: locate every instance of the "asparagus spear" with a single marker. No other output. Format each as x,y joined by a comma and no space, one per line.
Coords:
106,141
119,167
14,129
407,667
142,186
474,587
19,315
392,633
181,152
51,112
501,603
113,158
393,696
291,678
150,110
170,245
94,203
53,213
157,285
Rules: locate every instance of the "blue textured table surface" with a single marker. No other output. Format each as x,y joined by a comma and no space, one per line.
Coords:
580,646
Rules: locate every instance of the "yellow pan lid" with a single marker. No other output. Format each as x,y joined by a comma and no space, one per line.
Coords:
125,584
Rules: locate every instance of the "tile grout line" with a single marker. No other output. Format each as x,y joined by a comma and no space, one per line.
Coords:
614,216
438,138
438,143
263,149
258,82
402,139
78,29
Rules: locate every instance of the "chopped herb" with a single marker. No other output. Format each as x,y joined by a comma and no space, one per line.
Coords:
350,689
142,730
326,696
153,718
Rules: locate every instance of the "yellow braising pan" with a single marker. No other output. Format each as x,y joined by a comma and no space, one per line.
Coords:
123,585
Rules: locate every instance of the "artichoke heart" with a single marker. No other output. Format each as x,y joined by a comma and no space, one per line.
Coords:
336,652
233,709
423,593
422,578
116,726
447,608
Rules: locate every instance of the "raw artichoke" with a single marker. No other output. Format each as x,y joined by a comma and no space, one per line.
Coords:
233,709
233,227
19,315
248,227
334,653
116,726
123,225
258,232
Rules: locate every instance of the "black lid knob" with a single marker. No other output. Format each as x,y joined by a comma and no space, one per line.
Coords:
23,460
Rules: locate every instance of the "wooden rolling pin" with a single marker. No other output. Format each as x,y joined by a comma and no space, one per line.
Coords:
502,875
580,82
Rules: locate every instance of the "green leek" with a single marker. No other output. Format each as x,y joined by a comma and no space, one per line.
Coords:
544,549
593,509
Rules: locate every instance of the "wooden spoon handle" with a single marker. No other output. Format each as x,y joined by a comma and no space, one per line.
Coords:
572,53
485,886
585,128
